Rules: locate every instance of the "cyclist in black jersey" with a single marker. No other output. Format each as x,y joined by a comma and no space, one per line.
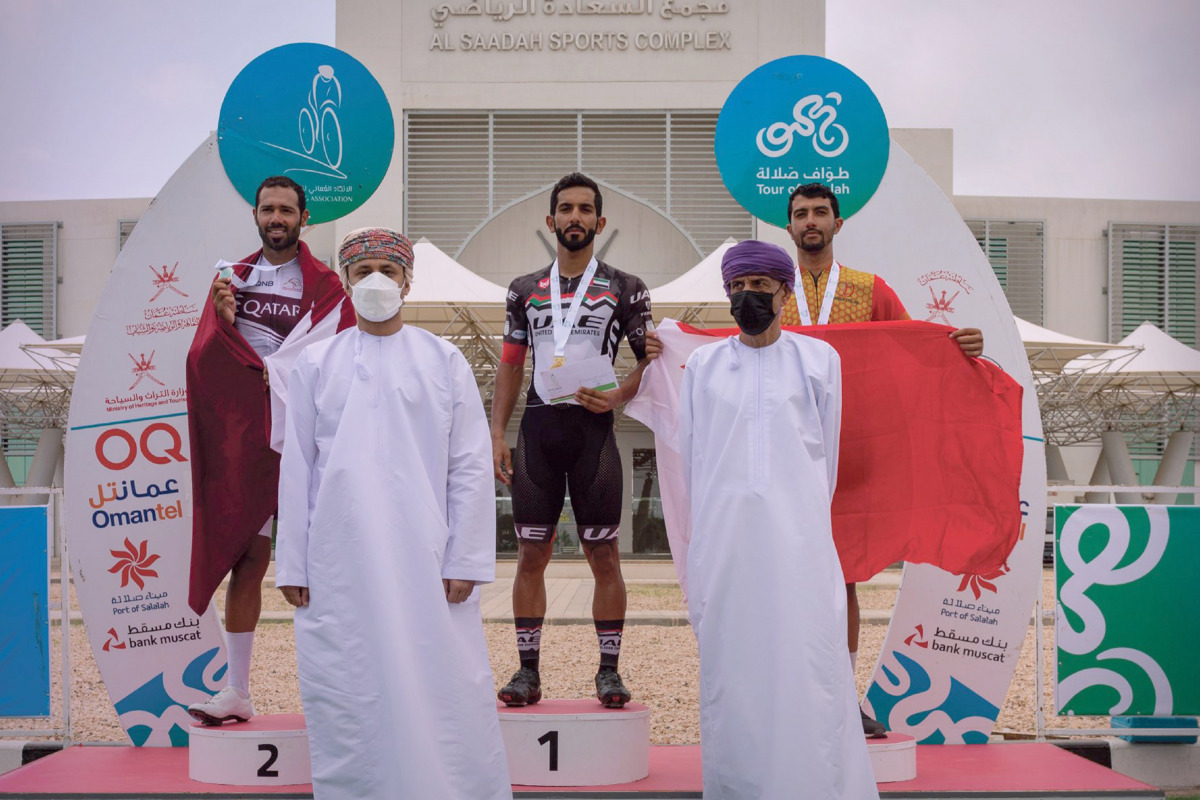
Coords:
575,309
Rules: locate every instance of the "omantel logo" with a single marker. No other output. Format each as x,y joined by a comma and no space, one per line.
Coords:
165,281
152,451
142,367
944,288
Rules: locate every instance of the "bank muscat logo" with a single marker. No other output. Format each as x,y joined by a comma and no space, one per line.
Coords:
320,132
134,563
917,638
113,641
143,366
165,281
828,138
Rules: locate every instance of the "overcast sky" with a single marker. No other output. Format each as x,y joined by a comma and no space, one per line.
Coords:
1054,98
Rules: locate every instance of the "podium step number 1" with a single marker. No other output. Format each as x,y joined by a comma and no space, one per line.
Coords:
576,743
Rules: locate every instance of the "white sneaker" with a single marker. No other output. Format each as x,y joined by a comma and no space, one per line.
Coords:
227,704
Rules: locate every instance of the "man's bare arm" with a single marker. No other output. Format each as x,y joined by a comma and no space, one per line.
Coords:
504,399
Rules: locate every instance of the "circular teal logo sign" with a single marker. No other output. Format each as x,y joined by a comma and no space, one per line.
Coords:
797,120
314,114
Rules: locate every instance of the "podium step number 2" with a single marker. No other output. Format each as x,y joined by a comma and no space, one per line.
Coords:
576,743
266,751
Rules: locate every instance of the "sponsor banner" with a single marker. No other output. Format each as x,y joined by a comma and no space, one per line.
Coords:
128,499
1122,646
315,114
25,609
797,120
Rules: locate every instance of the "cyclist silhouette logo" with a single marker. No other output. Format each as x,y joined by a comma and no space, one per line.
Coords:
314,114
320,130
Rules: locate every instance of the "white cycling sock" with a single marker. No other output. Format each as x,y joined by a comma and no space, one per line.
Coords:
240,647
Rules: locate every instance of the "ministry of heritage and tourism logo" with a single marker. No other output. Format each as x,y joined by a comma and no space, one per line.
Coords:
166,281
796,120
314,114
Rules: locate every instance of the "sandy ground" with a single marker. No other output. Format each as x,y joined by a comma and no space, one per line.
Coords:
659,665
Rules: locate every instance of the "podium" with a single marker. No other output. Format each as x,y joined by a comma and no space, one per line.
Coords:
269,750
893,758
576,743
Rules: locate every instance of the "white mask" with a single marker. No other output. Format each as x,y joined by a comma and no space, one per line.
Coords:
377,298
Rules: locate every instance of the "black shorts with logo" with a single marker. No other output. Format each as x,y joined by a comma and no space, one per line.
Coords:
560,448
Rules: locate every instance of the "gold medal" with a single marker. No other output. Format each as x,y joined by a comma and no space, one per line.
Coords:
558,362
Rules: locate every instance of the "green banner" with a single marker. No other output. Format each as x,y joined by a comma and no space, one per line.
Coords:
1126,643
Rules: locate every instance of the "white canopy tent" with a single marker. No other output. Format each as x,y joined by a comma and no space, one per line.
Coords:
1051,351
1069,413
35,394
453,302
1150,394
697,297
1151,397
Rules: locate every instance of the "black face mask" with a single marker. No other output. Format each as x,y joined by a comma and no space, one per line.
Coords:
752,311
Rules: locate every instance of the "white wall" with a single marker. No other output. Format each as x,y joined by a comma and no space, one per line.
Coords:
1076,266
87,248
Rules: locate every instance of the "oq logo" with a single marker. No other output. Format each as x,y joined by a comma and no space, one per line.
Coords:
117,449
314,114
797,120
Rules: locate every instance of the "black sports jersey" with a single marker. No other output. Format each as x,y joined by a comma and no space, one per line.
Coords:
616,304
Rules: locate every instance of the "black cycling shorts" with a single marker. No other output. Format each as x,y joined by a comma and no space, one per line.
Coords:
560,448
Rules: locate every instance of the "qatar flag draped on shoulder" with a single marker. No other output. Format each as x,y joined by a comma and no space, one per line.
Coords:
931,447
235,471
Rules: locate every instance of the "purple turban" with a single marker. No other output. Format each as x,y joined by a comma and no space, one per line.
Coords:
753,257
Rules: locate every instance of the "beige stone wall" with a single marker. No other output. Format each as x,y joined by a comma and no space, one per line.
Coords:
636,239
618,54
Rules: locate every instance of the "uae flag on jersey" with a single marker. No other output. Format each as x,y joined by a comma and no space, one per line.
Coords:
929,468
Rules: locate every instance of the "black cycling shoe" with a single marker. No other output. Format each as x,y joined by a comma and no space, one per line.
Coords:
524,689
872,729
610,690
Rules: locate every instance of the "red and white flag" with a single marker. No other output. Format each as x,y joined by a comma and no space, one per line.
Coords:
929,467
